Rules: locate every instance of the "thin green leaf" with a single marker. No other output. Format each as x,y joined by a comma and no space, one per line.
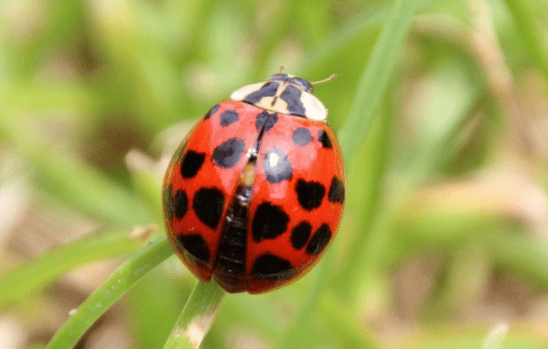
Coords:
117,284
29,277
376,76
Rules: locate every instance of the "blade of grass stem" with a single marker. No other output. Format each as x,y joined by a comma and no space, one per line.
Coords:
32,276
117,285
375,77
197,316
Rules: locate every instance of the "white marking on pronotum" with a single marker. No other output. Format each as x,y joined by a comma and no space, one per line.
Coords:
243,92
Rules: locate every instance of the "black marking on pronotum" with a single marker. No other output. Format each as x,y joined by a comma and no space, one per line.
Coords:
292,97
191,164
208,204
269,89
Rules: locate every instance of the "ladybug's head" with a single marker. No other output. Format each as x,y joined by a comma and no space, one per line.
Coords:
285,94
302,84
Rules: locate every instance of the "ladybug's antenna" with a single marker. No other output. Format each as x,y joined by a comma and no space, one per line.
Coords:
330,77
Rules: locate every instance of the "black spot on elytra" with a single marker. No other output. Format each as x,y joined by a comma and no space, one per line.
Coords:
302,136
269,265
208,205
196,246
277,166
267,90
269,222
292,96
336,191
228,117
300,235
324,139
319,240
168,202
211,112
310,194
265,121
191,164
228,153
180,204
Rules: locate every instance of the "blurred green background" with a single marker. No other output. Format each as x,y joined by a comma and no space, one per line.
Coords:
445,230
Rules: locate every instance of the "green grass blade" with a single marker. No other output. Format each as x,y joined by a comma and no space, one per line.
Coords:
117,284
197,316
29,277
375,77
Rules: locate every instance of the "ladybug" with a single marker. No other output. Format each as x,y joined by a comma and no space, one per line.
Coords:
254,195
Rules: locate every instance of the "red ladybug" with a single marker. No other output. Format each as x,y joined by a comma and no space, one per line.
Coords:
254,195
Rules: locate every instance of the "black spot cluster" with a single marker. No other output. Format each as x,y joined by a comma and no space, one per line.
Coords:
301,233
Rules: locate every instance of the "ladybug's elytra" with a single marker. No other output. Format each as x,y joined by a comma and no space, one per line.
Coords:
254,195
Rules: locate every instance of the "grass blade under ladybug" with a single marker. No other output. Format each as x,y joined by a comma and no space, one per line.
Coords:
117,285
32,276
197,316
372,85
